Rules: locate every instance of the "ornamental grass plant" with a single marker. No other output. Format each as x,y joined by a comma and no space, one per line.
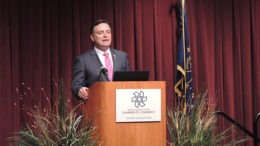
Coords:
198,126
58,127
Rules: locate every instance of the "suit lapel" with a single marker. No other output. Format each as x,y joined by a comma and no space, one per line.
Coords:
115,62
95,57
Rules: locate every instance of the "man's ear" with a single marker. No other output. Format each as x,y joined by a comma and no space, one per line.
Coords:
92,37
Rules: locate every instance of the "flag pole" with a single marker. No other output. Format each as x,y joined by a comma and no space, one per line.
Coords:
184,52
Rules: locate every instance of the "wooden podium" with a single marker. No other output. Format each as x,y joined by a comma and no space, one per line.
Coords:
102,104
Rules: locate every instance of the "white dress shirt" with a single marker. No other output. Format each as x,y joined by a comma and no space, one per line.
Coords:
102,57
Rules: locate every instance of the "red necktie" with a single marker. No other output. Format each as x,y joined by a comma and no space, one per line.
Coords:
109,66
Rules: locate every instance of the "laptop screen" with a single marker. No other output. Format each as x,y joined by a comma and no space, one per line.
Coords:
131,76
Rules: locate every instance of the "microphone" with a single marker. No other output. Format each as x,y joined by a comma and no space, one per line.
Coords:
104,71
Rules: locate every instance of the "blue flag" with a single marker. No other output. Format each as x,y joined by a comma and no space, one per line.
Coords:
183,84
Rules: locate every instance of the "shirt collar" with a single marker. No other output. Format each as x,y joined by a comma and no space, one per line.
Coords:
102,52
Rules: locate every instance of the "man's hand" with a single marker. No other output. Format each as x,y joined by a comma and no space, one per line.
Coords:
83,93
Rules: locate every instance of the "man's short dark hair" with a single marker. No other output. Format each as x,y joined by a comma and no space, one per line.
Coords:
97,22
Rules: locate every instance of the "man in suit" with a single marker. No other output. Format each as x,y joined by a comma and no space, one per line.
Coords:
87,66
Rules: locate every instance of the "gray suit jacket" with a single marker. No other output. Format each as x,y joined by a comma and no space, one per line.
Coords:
86,69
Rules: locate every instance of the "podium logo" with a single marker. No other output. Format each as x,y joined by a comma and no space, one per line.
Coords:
139,99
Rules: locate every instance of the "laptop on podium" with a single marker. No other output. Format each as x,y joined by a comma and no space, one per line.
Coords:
131,76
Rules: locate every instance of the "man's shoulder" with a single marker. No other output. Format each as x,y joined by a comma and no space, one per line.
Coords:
117,51
87,53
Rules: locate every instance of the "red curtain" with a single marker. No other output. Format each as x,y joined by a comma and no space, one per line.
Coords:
39,40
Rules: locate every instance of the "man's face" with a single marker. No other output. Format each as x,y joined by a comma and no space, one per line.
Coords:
102,36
